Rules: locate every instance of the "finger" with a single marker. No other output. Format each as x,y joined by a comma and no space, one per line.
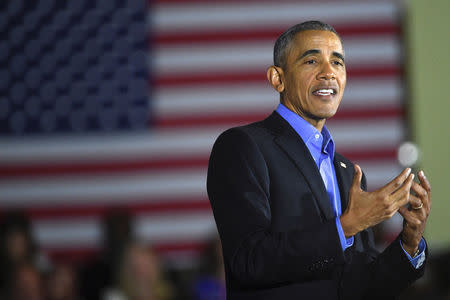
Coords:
396,182
403,211
426,185
401,195
409,216
356,184
421,193
419,190
424,181
419,213
415,202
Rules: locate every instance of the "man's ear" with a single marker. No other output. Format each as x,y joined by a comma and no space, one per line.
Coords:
276,78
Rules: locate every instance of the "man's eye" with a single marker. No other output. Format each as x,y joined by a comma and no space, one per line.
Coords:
310,62
338,63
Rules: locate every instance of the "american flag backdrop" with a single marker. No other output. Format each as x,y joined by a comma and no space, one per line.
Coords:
72,148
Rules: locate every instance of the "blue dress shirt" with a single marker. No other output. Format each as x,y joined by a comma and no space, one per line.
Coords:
321,147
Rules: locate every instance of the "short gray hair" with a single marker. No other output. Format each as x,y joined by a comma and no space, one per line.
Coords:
283,41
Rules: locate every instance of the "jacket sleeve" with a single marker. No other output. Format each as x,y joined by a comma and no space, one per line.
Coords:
238,187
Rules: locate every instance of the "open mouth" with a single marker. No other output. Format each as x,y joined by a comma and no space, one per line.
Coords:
325,92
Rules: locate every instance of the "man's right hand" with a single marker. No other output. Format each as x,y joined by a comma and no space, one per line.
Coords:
366,209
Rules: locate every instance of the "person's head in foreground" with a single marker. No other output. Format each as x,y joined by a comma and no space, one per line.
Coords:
309,71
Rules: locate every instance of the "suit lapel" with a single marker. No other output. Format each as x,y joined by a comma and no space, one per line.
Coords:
296,149
344,180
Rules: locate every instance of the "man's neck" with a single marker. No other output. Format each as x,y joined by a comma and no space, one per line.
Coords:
317,123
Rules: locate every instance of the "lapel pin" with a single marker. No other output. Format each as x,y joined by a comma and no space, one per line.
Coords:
343,165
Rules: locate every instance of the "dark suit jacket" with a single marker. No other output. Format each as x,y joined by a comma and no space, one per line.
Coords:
277,227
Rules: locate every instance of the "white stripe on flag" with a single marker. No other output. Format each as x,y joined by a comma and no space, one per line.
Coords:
172,143
257,56
219,16
86,232
88,189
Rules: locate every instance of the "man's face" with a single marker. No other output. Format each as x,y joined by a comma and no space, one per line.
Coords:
314,75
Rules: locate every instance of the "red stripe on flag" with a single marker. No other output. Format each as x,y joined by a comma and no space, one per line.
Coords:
251,34
149,207
192,246
371,155
55,169
109,167
236,118
363,114
233,2
159,2
74,255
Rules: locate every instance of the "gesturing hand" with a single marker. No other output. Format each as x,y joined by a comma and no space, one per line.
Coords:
366,209
415,217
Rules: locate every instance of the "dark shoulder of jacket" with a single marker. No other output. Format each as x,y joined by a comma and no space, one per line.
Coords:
258,131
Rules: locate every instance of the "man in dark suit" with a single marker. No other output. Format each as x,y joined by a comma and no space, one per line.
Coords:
293,216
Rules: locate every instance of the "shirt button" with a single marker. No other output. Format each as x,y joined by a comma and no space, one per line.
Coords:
317,136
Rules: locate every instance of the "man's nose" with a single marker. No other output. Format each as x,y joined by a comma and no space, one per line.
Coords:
326,73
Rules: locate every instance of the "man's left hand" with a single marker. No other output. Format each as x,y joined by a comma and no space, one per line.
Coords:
416,215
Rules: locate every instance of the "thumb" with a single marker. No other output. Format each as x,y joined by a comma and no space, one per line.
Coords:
356,184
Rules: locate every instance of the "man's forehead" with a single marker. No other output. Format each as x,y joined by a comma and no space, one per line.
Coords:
317,39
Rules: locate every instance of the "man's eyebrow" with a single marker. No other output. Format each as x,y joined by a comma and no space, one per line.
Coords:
339,55
309,52
316,51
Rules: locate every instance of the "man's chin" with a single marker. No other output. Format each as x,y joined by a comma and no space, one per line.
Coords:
321,116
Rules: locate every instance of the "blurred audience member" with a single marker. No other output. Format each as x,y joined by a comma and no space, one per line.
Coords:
17,246
210,285
61,283
99,274
140,277
25,283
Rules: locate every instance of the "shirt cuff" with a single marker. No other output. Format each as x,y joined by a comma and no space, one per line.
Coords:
345,242
418,260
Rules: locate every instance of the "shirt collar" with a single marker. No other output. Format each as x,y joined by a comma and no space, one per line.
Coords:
314,140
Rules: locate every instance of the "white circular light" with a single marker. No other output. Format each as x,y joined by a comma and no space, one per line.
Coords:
408,154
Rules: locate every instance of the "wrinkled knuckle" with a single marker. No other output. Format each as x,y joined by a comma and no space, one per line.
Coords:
390,211
405,188
404,197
